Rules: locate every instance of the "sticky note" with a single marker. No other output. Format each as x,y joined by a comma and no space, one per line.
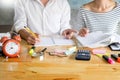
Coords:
70,50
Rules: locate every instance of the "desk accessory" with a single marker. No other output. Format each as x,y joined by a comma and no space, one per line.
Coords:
114,46
34,54
63,53
81,54
98,51
59,53
119,55
114,56
42,54
11,47
32,51
102,53
70,51
108,59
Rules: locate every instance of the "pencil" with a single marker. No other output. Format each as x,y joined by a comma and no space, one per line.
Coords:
30,31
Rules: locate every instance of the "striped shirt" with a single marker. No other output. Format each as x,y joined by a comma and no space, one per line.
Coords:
106,22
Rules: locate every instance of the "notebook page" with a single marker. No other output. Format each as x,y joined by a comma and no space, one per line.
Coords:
60,40
54,40
45,41
95,39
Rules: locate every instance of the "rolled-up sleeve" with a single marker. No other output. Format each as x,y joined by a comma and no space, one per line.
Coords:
65,19
19,16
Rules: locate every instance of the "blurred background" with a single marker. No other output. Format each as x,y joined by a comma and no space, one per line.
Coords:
7,12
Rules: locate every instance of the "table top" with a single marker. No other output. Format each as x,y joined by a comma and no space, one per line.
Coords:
57,68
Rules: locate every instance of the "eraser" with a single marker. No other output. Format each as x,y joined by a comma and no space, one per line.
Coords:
98,51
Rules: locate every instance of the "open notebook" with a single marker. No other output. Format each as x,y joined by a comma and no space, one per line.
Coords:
54,40
92,40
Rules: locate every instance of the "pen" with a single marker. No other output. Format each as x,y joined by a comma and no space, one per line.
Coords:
42,54
30,31
34,54
42,51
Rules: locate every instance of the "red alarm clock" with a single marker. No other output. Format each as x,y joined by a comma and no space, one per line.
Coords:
11,47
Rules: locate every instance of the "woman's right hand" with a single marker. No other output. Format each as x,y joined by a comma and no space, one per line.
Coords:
28,37
83,32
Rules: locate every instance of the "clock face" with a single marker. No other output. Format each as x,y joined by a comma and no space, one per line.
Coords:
11,48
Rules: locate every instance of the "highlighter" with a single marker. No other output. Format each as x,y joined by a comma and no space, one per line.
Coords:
115,57
108,59
119,55
32,51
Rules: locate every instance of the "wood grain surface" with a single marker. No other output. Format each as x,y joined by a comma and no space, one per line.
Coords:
57,68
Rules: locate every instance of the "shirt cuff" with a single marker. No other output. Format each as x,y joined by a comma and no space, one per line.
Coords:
17,29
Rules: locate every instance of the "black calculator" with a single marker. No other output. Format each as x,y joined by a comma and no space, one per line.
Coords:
83,55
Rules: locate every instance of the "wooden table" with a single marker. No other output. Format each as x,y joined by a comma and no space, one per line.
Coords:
57,68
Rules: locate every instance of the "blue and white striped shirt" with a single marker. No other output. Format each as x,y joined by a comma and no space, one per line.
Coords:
106,22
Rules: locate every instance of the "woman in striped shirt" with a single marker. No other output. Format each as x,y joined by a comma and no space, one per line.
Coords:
99,15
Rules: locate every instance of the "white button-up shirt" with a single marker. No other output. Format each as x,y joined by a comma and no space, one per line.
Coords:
44,20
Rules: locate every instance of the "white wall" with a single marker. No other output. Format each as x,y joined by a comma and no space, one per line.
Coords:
6,12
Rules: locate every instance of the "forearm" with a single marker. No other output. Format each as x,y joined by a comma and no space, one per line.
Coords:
28,36
24,34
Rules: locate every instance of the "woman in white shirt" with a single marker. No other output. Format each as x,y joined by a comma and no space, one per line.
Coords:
99,15
44,17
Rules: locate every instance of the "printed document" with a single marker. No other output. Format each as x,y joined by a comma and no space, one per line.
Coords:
98,39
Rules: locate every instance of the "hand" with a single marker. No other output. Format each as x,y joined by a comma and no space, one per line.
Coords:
68,33
28,37
83,32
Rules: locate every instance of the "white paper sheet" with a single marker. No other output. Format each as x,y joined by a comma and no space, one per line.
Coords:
97,39
92,40
45,41
54,40
60,40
